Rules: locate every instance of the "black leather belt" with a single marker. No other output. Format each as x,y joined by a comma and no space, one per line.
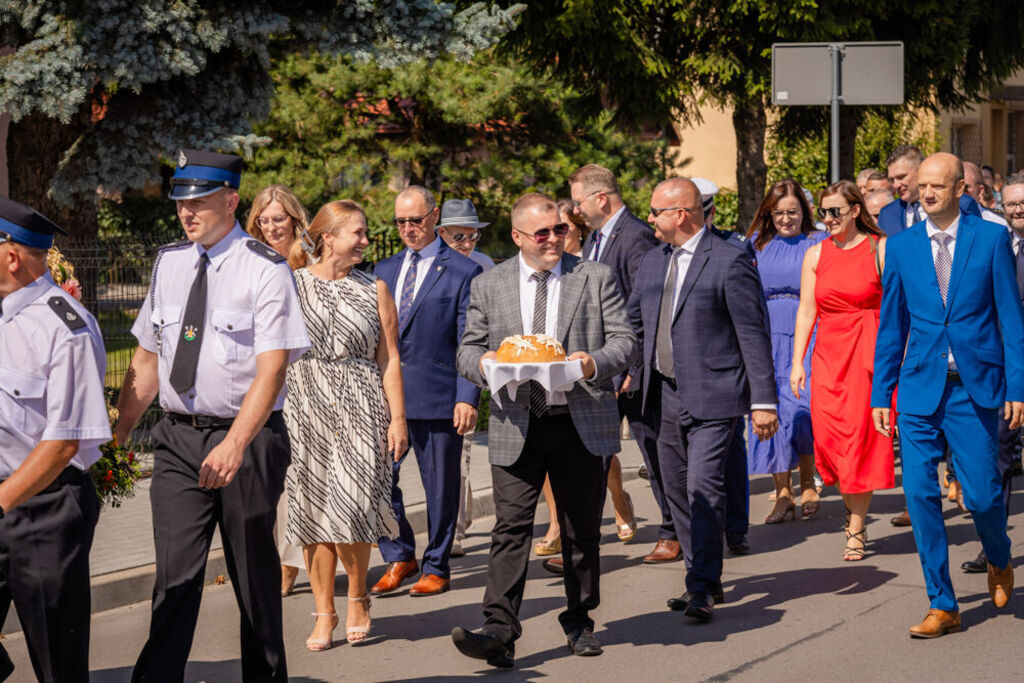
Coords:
556,411
69,475
667,380
209,421
952,376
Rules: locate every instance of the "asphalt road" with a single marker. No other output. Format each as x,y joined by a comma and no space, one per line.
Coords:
794,610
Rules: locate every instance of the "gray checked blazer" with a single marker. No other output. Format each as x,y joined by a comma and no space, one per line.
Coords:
591,318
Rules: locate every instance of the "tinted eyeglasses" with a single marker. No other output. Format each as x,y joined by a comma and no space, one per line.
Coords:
657,212
834,211
458,237
415,220
542,235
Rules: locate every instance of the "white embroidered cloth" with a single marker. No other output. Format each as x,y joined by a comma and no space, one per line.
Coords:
555,376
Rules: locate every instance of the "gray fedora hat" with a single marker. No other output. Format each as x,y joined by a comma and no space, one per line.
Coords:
460,212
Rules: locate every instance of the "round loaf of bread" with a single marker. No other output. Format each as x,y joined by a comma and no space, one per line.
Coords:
530,348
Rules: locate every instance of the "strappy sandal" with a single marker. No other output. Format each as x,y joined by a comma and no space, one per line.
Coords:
321,644
545,547
846,524
854,554
809,508
627,531
356,633
781,511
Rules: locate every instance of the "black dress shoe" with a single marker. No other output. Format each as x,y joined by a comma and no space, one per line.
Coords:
1016,469
680,603
584,644
484,646
555,566
6,665
738,544
643,473
700,607
978,565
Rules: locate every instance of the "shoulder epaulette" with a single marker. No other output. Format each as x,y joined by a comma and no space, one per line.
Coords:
66,313
175,245
265,251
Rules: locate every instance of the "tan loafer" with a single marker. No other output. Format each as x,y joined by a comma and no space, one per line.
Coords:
1000,584
937,623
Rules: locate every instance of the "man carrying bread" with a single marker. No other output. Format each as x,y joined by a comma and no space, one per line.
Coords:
561,434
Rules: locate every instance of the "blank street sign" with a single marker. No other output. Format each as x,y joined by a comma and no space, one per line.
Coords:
870,73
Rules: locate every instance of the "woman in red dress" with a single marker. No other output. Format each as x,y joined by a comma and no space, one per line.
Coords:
841,290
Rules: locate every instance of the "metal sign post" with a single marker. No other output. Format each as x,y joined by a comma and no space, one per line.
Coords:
837,73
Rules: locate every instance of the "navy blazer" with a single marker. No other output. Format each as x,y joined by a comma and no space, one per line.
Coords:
721,348
430,337
892,217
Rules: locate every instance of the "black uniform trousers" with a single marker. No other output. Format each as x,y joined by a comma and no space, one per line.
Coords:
693,455
554,448
44,570
184,517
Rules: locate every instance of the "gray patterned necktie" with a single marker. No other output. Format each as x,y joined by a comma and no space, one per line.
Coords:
663,338
943,262
538,395
1020,268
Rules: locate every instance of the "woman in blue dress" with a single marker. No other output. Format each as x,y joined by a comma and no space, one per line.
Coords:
782,231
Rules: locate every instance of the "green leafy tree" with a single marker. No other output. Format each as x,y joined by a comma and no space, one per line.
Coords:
99,92
488,130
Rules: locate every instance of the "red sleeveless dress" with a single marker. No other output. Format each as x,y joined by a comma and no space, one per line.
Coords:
847,449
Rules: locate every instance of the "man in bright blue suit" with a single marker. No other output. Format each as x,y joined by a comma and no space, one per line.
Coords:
430,282
952,335
906,211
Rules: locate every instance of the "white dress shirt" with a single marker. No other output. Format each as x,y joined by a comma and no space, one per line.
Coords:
527,297
51,377
910,216
251,306
606,232
427,255
932,229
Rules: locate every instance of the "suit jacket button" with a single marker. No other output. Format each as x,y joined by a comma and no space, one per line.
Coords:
944,354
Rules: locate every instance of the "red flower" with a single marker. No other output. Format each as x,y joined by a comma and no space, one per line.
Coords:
72,287
131,457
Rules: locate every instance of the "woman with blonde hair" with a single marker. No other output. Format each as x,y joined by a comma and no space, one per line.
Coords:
277,218
345,414
841,290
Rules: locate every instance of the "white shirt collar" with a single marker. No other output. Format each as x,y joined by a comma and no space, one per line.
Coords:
23,296
429,251
525,271
690,245
932,229
609,225
219,251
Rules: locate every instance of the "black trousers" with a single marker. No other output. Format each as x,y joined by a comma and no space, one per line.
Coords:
44,570
184,518
554,448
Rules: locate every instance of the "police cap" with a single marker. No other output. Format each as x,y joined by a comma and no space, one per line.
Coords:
198,173
25,225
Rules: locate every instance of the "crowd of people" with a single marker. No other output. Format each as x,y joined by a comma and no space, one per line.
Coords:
296,379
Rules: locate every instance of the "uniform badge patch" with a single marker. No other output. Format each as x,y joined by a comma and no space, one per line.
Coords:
190,333
182,159
66,313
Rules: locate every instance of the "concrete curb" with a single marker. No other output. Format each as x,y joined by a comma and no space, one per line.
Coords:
129,586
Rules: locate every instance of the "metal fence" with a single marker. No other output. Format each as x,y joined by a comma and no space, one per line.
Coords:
114,274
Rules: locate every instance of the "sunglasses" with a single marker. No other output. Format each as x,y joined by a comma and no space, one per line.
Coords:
458,237
657,212
417,220
542,235
834,211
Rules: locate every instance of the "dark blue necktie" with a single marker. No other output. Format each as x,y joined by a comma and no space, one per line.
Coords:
408,290
597,245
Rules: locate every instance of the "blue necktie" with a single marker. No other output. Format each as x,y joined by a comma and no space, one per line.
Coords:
408,290
597,245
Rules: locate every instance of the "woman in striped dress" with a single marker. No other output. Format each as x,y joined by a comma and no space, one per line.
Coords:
345,415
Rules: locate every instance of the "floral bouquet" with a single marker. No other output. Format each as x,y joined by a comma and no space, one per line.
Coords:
115,473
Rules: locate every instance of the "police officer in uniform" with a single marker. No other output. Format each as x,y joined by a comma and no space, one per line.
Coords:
53,419
216,333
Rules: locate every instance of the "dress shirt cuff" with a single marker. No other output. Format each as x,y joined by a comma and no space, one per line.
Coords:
765,406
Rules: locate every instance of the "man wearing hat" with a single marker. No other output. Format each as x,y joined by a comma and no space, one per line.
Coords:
53,419
216,332
460,229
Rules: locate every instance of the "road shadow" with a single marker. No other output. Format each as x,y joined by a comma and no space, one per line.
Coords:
230,670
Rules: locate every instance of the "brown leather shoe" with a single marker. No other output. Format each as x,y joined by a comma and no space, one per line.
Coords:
429,584
902,519
1000,584
937,623
396,573
664,551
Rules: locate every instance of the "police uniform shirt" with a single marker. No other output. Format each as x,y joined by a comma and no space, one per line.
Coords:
52,365
251,306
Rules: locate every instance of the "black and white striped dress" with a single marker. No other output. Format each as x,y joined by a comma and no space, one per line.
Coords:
339,482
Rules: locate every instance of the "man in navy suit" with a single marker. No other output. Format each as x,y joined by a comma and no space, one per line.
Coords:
951,333
906,211
619,239
430,282
698,307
